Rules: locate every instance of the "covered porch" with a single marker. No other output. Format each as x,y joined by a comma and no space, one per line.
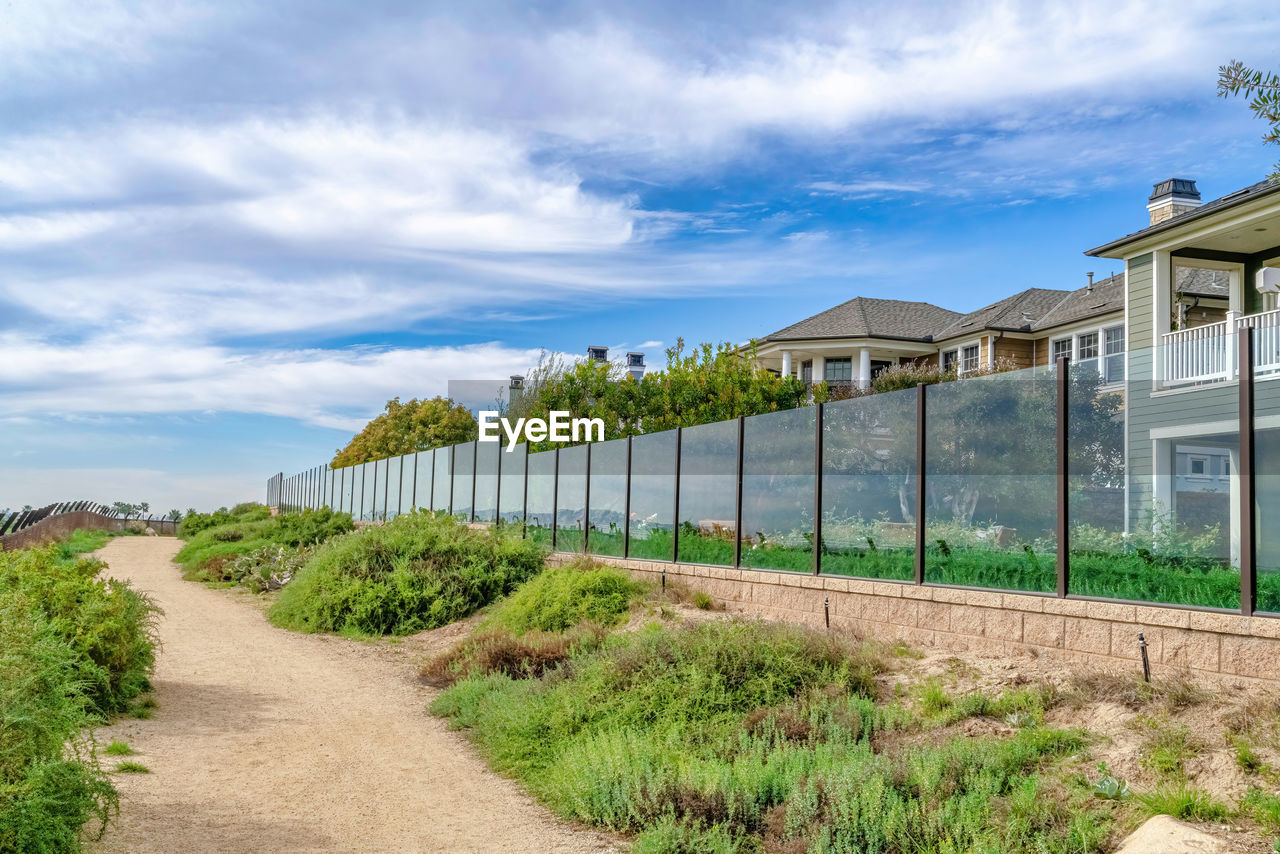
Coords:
844,363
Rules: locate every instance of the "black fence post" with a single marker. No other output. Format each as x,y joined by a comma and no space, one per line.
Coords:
475,465
737,512
1063,562
921,426
497,501
626,507
586,507
524,504
1248,520
817,488
555,497
675,512
453,468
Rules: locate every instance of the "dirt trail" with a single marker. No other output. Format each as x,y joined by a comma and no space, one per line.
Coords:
269,741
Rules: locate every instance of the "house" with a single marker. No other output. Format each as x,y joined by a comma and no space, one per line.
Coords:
1195,276
852,342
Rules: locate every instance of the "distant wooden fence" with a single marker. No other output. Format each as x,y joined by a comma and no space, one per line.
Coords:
34,527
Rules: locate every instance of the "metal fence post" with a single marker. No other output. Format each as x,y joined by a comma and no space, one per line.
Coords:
1063,485
453,469
921,426
497,501
675,513
413,490
626,506
586,507
555,497
475,465
817,488
524,505
737,512
1248,520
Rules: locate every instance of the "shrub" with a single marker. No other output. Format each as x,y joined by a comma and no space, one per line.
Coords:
418,571
526,656
211,547
558,598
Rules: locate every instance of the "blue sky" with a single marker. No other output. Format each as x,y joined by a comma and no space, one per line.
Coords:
230,232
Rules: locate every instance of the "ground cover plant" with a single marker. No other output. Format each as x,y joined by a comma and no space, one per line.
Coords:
248,545
74,648
418,571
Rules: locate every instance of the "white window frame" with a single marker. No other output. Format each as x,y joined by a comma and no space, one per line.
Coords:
954,353
976,347
1100,360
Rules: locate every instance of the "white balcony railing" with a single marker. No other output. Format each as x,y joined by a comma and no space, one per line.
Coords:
1207,354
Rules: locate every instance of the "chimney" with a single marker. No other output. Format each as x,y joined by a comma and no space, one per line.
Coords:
598,354
515,389
1172,197
635,365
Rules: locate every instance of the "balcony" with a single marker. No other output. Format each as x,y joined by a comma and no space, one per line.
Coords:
1208,354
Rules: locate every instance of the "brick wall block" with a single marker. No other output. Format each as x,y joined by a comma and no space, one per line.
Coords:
1044,629
904,612
1172,617
1184,648
1004,625
1085,635
935,615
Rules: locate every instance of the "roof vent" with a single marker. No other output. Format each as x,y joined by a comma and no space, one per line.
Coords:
1172,197
598,354
1089,287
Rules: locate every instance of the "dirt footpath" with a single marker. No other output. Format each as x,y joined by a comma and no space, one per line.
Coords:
269,741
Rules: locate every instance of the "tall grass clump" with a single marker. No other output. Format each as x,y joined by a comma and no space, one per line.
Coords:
73,648
559,598
210,548
418,571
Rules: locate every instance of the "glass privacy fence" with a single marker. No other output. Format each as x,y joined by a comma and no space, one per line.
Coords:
1050,480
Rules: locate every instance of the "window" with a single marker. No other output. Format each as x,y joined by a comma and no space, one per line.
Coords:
1199,466
949,359
1061,350
1113,365
969,358
838,370
806,371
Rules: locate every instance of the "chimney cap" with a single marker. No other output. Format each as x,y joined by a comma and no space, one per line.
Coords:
634,358
1174,187
598,353
517,380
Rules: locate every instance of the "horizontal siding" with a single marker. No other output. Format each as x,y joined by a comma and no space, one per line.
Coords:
1015,350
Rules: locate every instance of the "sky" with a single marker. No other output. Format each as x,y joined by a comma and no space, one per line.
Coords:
230,232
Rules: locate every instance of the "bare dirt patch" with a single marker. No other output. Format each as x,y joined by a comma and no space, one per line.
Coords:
267,740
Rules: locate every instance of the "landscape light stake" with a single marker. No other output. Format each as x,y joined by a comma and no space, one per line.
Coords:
1248,520
1146,665
826,610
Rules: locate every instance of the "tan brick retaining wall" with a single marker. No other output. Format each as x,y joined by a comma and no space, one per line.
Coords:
1210,643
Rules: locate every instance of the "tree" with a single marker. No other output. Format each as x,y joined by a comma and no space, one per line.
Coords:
143,507
174,515
1263,88
405,428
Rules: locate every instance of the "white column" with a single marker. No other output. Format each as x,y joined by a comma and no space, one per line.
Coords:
786,363
819,369
1162,484
864,368
1161,302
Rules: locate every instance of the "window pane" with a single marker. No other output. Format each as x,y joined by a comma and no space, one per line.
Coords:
949,360
571,499
838,370
1061,349
608,497
511,498
487,480
442,487
869,486
1115,340
777,490
708,493
991,472
464,468
542,509
1089,345
970,362
653,490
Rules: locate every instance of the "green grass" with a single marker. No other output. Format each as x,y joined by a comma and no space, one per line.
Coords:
132,768
418,571
118,748
1167,746
556,599
733,736
74,648
1182,801
212,550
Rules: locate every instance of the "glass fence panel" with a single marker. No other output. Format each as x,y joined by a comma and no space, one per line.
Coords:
441,480
391,488
708,493
571,497
777,490
869,475
511,496
374,478
346,485
653,496
1266,467
991,472
487,481
541,513
608,498
464,469
408,481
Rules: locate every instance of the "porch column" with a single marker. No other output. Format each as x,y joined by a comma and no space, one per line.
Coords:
819,369
786,363
864,368
1233,351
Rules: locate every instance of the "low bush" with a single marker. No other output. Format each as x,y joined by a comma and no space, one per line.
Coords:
559,598
211,547
73,648
418,571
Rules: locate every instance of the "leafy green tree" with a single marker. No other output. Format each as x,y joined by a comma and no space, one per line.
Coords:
1263,88
174,515
405,428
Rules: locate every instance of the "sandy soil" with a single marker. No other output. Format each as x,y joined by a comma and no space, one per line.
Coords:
270,741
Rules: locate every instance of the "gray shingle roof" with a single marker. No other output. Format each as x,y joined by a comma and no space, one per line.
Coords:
1198,282
1013,314
868,317
1229,200
1107,296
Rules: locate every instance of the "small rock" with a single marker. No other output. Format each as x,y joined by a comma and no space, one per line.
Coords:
150,531
1163,834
